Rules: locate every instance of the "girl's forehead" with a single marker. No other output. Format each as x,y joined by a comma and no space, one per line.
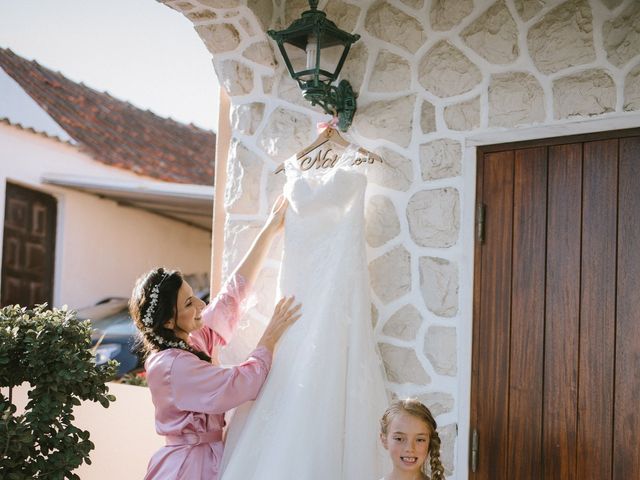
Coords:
407,423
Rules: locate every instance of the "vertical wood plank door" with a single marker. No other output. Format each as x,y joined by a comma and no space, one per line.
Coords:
28,247
556,330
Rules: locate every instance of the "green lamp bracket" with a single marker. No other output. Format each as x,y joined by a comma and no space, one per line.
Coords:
338,101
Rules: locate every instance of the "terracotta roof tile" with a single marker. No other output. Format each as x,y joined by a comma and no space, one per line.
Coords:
115,132
8,121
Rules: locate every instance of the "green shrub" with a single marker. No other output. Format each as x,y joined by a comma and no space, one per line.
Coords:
49,349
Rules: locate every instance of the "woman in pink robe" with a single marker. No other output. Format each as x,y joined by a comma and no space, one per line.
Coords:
190,391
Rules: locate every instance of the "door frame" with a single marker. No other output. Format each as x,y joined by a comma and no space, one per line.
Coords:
465,249
57,233
474,152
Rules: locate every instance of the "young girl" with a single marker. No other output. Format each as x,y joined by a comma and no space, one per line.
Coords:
408,432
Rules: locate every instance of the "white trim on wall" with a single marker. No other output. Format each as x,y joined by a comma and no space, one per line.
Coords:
578,127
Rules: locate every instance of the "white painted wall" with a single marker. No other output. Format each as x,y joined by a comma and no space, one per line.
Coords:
101,247
124,434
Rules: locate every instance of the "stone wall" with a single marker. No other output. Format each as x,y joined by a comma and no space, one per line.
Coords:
430,73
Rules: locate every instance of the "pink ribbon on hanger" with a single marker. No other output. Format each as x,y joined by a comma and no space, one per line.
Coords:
322,126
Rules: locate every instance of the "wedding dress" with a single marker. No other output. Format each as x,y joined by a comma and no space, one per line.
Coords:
317,415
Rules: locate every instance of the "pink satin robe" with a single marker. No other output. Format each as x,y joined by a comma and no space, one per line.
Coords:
191,396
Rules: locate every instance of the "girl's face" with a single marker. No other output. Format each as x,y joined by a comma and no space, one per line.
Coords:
407,441
189,307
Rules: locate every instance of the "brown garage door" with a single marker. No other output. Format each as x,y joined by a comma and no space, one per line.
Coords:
28,247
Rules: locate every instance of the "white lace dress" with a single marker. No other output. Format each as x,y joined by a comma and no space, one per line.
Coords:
317,416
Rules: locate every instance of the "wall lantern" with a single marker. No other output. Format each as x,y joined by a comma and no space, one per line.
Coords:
314,50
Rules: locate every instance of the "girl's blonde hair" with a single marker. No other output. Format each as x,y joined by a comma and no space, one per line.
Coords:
413,407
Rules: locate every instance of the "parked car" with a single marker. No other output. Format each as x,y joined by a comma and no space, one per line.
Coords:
114,333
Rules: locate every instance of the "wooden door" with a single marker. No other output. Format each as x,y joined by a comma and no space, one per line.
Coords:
28,247
556,340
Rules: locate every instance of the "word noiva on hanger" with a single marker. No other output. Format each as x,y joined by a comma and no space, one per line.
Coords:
327,157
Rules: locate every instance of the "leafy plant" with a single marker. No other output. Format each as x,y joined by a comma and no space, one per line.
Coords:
49,349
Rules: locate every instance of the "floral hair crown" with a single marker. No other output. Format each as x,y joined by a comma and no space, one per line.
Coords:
147,320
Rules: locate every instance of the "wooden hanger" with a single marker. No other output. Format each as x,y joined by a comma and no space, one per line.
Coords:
332,135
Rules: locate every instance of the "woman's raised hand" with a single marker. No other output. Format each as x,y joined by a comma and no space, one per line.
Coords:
275,222
251,264
284,315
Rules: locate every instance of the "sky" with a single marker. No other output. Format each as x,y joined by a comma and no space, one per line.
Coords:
136,50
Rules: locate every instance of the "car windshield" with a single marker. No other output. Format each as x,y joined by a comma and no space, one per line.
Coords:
110,317
117,324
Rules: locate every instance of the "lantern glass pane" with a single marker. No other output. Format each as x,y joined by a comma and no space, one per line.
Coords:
297,57
329,58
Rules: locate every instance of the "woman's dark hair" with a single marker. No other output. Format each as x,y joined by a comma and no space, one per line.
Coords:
150,312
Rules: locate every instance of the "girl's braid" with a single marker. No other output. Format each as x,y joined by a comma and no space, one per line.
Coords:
437,470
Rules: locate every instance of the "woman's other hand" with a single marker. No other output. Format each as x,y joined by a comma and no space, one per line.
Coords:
285,314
